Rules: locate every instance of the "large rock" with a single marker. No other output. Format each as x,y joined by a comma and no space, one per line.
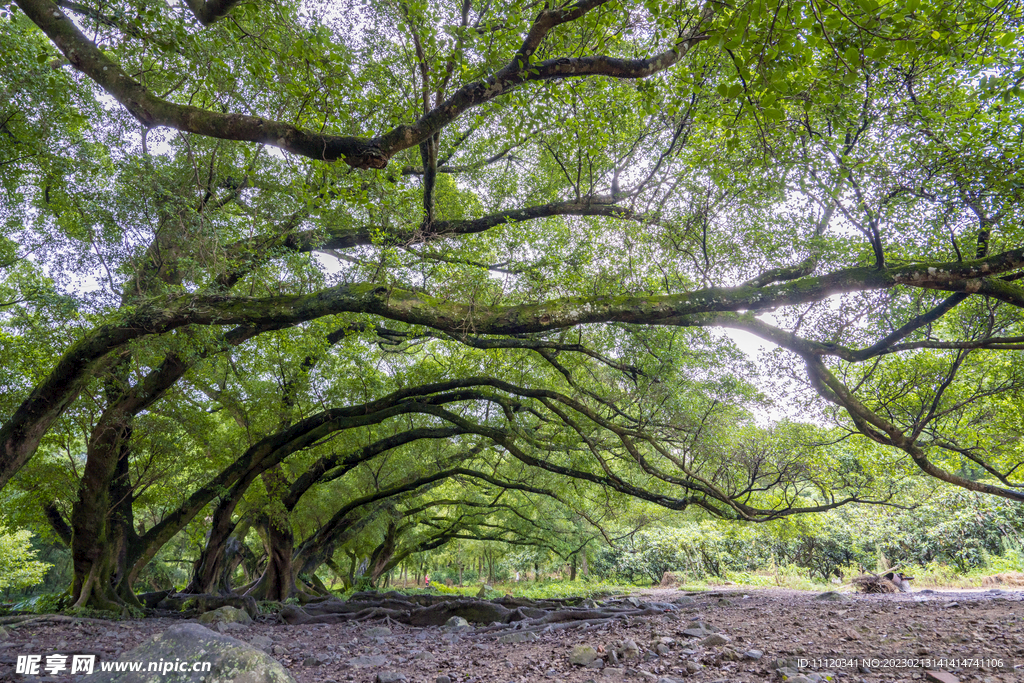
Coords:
582,655
226,615
188,645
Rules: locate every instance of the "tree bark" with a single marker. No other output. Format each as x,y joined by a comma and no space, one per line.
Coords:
278,579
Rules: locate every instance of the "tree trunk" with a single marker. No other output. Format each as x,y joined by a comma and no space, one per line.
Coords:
278,580
572,569
97,543
209,574
381,557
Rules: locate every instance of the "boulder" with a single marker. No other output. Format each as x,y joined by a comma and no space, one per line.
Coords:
227,615
582,655
187,645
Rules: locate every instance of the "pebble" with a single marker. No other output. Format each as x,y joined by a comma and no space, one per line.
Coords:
378,632
442,679
390,677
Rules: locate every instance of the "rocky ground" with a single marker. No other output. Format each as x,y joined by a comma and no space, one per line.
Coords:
743,635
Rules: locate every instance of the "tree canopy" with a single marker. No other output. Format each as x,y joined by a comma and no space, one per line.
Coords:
384,275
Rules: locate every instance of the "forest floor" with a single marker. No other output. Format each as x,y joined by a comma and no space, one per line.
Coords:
778,624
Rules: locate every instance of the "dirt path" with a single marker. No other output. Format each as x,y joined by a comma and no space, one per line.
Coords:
776,623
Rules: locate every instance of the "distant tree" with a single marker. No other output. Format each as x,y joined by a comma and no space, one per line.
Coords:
18,566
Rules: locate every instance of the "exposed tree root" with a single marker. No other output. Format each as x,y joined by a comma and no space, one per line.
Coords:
204,602
35,619
494,616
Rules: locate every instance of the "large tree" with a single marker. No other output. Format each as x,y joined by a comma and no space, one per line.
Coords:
838,178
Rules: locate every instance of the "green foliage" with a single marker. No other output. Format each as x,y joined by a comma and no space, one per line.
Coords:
640,206
18,566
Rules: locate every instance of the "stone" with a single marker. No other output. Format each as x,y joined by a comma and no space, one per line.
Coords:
634,601
627,649
364,661
312,660
230,660
442,679
519,637
662,649
581,655
230,626
832,596
798,679
226,614
377,632
684,600
262,642
614,674
704,628
3,633
715,639
596,664
786,663
753,654
424,655
455,625
389,677
692,667
941,677
278,650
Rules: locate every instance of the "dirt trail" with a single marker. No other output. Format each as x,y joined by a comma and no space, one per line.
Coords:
777,623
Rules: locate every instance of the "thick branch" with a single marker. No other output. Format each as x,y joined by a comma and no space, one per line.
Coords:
355,151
